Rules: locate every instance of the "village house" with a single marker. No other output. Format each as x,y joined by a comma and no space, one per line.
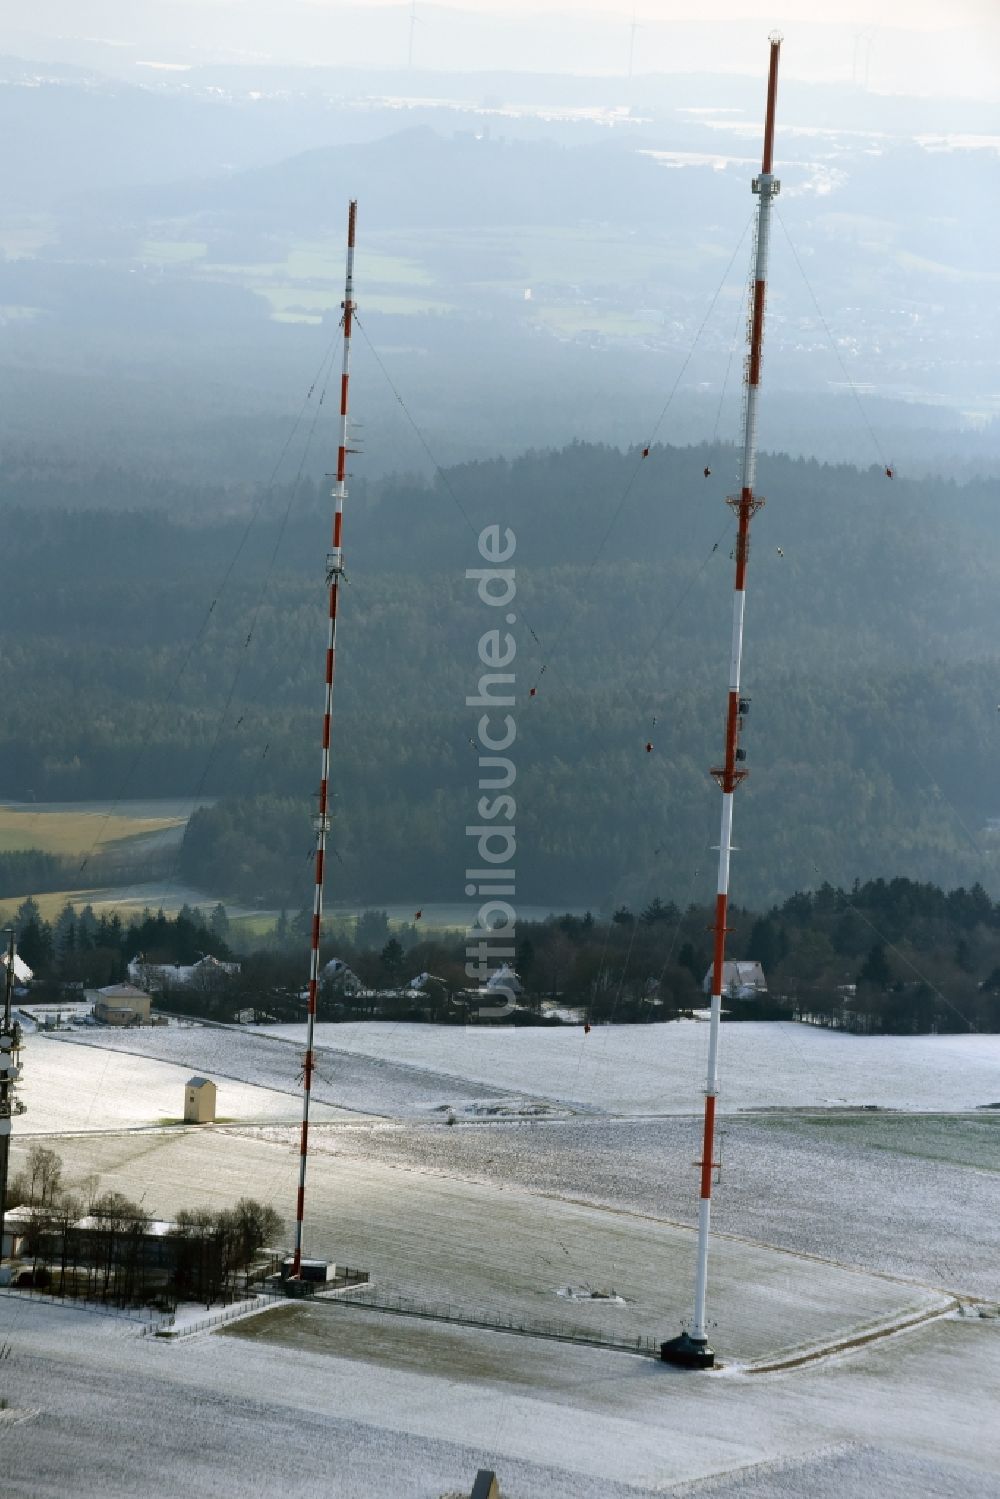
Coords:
742,979
120,1004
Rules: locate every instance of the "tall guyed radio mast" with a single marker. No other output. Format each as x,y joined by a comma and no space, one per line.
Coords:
334,573
691,1349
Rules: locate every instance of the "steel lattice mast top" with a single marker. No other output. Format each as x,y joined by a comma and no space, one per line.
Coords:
691,1349
334,572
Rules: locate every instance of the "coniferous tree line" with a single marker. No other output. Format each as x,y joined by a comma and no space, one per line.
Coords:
94,949
894,956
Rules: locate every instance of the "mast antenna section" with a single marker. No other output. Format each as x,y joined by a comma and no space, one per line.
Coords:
334,572
691,1349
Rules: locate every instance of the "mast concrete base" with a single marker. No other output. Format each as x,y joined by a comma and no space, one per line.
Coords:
685,1352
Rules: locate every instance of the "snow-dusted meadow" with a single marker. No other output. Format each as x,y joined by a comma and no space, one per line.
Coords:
351,1405
572,1164
477,1247
409,1070
650,1069
67,1088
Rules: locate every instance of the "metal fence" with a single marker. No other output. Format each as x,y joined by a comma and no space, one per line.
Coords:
530,1327
168,1329
365,1298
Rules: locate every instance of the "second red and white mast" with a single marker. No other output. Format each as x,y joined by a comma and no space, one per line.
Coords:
334,573
691,1349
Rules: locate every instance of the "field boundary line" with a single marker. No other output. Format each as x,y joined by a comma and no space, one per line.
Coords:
860,1340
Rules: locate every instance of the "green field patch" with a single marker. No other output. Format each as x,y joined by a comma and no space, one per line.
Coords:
252,926
245,274
293,316
325,262
954,1139
73,832
49,904
391,270
298,301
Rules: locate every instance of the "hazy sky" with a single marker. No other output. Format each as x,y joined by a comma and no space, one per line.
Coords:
943,47
934,15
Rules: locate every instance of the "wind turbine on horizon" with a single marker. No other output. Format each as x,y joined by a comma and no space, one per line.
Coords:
631,42
415,21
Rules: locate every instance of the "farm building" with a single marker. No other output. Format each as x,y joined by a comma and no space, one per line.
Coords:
740,980
199,1101
120,1004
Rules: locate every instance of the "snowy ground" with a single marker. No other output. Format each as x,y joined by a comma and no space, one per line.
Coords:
650,1069
369,1085
910,1197
472,1247
68,1088
408,1070
832,1220
357,1407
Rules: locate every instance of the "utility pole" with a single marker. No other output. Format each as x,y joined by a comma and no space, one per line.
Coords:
321,822
691,1350
10,1071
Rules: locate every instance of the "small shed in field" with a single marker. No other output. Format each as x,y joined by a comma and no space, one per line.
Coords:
199,1101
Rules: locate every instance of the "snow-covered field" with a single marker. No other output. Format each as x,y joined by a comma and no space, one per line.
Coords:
893,1193
365,1084
472,1246
832,1220
408,1070
359,1406
68,1088
648,1069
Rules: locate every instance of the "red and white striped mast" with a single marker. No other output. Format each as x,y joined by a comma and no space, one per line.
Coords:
691,1349
334,572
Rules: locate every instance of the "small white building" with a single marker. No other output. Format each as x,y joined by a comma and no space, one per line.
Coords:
742,979
199,1101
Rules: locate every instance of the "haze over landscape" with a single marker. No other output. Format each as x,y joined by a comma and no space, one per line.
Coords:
554,237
